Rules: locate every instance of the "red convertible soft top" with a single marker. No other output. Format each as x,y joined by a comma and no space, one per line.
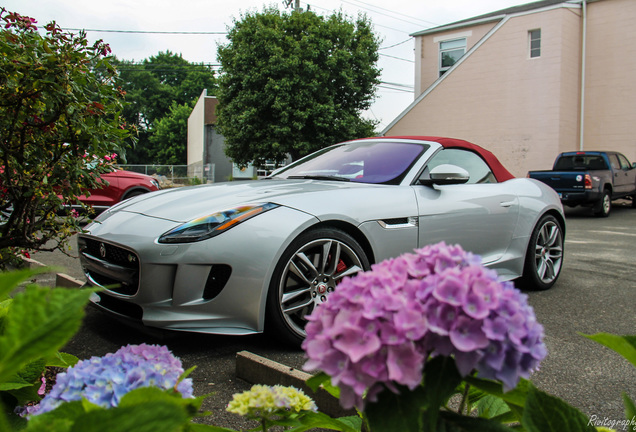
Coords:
500,172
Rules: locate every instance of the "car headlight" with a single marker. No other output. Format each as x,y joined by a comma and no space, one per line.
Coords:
212,225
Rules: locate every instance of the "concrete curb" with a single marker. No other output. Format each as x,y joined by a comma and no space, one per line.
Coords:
258,370
61,279
250,367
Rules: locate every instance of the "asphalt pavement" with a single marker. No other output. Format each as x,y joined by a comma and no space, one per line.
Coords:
596,292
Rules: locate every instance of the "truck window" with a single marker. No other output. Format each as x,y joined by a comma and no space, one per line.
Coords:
581,162
624,162
614,161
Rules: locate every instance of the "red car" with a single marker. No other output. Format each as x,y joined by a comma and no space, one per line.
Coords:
121,185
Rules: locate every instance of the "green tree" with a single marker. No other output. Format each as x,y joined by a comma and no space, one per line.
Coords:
59,120
152,87
292,83
170,135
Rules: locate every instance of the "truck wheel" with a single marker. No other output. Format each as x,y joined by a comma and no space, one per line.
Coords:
604,205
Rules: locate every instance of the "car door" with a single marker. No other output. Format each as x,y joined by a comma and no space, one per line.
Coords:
480,215
625,176
107,195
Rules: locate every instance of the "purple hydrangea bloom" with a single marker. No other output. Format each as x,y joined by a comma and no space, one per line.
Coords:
379,327
105,380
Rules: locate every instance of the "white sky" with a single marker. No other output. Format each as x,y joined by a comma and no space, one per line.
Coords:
393,22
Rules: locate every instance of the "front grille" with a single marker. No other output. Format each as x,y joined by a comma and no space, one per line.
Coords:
109,266
111,253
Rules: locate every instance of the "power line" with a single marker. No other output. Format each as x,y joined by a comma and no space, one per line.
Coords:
146,32
394,45
386,15
406,86
396,13
397,58
396,89
374,24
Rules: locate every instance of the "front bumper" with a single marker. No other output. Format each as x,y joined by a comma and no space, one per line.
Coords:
216,286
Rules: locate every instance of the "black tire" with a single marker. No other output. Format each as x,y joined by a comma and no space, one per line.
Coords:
134,194
544,256
309,269
604,205
634,201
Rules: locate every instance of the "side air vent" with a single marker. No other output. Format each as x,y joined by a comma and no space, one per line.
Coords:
404,222
218,277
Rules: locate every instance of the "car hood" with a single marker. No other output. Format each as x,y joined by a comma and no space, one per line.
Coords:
187,203
126,174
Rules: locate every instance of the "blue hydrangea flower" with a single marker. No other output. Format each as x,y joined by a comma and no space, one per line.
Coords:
379,327
105,380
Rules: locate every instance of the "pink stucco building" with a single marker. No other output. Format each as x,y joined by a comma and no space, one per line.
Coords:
530,81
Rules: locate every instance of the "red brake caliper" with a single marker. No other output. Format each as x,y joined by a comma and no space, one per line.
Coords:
341,266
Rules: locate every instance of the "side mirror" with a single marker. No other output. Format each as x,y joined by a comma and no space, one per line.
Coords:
446,174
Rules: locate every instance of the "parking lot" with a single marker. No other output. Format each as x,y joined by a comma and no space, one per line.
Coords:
595,293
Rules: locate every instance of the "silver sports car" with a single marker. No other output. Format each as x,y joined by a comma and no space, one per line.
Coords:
239,257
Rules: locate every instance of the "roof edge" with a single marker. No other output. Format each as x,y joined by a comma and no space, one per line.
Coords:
540,6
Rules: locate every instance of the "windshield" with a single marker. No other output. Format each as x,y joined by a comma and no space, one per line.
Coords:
360,161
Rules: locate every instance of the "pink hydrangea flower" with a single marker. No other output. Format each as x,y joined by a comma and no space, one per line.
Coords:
379,327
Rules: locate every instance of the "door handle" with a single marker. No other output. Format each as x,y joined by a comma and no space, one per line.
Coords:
508,203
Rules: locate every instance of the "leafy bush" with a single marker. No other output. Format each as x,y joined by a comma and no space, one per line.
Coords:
60,119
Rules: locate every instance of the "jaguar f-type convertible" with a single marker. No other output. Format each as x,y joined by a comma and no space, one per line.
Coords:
240,257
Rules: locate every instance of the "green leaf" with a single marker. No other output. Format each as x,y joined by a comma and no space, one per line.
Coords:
415,410
62,360
451,422
630,407
492,406
514,398
14,383
60,419
624,345
154,411
155,416
26,394
441,379
393,412
39,322
316,420
317,380
197,427
546,413
323,380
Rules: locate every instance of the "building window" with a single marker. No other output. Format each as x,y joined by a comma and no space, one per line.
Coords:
534,37
449,52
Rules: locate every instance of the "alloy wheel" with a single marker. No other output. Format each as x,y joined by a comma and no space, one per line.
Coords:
310,275
549,251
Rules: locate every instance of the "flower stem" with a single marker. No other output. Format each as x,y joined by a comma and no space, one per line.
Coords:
464,399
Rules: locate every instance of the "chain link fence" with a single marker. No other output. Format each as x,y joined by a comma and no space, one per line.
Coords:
166,175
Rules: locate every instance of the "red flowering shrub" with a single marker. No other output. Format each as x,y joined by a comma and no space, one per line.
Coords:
59,100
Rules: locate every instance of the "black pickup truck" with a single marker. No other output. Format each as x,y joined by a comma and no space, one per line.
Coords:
591,178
